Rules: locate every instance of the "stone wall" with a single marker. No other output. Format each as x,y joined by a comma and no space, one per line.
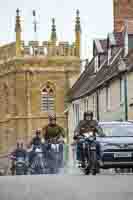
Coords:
21,82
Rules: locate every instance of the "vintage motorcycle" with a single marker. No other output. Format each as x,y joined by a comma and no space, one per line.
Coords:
21,166
89,148
38,163
54,155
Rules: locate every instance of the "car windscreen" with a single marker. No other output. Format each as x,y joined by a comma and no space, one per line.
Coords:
117,130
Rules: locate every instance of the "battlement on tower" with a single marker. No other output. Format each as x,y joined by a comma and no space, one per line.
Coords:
47,48
36,48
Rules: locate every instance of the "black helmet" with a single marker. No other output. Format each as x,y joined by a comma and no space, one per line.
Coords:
88,113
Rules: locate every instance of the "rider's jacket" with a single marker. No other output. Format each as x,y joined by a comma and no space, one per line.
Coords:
52,131
19,153
36,141
84,125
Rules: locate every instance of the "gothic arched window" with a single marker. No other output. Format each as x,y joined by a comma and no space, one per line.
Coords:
48,98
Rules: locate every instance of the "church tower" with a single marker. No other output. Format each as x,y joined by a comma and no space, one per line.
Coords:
35,78
123,9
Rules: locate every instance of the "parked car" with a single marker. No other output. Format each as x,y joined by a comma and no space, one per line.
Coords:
116,145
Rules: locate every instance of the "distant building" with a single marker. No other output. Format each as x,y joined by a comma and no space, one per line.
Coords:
34,80
106,85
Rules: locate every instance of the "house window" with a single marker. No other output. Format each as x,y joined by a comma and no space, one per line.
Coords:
77,113
48,99
108,98
85,105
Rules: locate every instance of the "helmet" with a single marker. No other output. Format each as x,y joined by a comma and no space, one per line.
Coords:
38,131
88,113
20,144
52,116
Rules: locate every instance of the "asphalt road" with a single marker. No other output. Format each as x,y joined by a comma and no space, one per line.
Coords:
71,184
66,187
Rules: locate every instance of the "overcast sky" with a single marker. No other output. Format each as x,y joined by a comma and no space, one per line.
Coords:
96,19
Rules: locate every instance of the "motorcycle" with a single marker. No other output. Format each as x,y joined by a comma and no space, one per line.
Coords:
20,166
38,163
54,155
89,147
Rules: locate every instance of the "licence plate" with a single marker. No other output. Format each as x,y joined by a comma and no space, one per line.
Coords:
93,148
123,155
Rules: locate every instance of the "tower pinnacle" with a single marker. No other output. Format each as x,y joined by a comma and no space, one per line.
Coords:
77,34
18,33
77,25
53,31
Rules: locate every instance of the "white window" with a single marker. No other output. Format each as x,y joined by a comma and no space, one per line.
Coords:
85,105
47,99
108,98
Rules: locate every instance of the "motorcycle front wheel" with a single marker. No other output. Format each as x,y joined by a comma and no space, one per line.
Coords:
94,163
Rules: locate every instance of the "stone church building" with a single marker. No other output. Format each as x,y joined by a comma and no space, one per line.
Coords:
34,80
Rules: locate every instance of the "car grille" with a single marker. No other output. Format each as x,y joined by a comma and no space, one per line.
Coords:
118,150
110,157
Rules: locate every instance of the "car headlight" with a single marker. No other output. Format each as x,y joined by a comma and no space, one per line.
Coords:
108,146
130,146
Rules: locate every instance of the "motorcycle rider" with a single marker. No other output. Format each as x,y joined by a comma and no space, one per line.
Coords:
18,152
53,130
84,125
36,141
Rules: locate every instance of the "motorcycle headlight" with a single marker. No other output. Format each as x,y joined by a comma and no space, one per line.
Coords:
86,134
89,134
